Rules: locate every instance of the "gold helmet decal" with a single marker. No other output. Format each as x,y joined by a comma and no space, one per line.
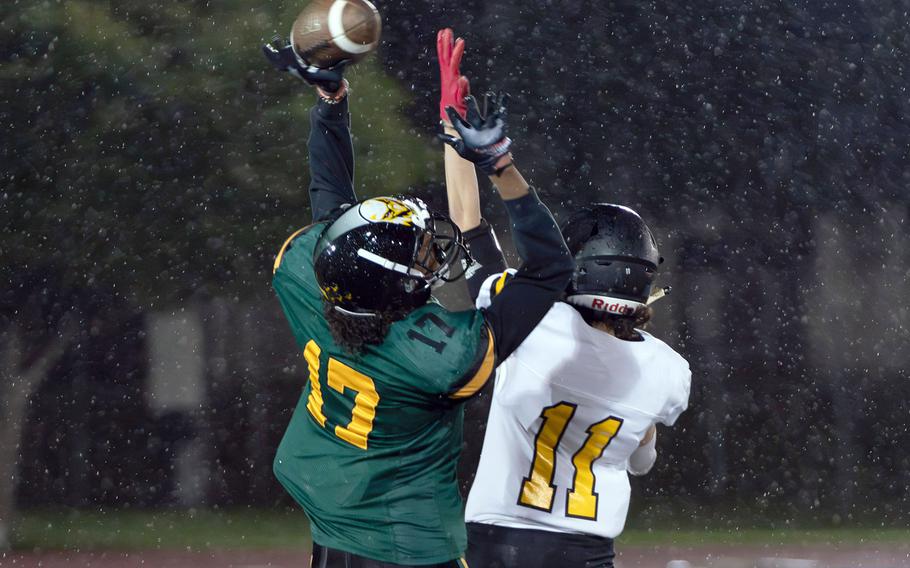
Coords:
391,210
333,295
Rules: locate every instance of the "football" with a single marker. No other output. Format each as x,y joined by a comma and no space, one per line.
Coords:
329,31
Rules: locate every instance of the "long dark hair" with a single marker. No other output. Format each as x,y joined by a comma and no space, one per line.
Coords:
623,327
354,333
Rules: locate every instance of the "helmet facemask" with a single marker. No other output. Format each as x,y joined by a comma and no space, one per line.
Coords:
442,248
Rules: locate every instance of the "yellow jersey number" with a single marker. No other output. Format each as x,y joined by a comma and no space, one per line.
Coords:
537,490
341,377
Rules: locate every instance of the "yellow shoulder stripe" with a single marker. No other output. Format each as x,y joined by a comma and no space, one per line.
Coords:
482,375
500,283
284,247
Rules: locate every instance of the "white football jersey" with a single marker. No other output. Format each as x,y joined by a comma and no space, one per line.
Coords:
570,405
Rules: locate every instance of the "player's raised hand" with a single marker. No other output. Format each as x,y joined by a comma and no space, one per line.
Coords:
281,55
483,137
454,86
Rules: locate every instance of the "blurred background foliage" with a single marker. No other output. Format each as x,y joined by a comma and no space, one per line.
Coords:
152,162
151,148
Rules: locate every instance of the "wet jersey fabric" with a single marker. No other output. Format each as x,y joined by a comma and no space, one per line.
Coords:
372,448
569,407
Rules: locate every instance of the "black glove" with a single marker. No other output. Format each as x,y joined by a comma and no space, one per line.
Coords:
281,54
483,137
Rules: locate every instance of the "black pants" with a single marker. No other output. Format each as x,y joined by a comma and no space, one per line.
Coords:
325,557
491,546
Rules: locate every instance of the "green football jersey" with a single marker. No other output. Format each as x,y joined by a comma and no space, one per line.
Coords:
372,448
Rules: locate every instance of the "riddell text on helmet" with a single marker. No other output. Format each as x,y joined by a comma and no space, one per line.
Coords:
615,308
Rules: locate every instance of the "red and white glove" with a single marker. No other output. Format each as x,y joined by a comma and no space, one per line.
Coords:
454,86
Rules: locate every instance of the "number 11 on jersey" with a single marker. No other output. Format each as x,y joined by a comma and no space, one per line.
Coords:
537,490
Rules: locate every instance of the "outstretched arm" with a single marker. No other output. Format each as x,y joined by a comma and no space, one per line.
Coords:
461,181
461,178
461,188
546,263
331,152
464,209
545,271
331,155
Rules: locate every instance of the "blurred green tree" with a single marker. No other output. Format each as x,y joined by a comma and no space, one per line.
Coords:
148,147
155,149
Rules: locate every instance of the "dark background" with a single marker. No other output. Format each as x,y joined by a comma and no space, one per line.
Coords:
152,165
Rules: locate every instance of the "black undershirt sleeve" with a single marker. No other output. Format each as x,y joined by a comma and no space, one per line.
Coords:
331,160
487,254
545,272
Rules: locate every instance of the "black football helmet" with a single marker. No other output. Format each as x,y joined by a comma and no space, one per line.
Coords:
386,254
616,259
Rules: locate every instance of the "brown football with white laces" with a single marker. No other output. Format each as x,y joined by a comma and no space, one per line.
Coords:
329,31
